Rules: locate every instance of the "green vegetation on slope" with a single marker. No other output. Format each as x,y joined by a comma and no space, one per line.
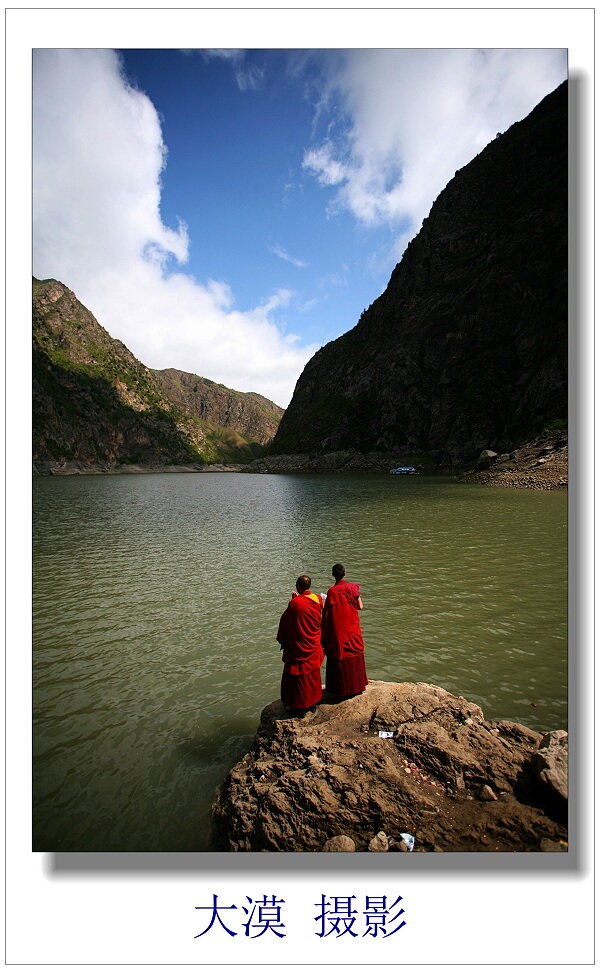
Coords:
93,401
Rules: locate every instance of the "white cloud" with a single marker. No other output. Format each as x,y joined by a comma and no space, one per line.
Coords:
328,170
407,120
284,255
249,77
98,159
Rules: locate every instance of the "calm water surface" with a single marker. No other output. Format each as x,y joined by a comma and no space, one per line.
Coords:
156,603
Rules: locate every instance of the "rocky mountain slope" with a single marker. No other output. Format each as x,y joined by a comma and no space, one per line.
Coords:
95,403
329,780
250,414
467,347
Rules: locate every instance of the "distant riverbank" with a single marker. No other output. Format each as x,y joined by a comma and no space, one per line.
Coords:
542,463
122,469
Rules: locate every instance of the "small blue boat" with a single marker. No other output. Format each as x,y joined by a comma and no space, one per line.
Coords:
404,471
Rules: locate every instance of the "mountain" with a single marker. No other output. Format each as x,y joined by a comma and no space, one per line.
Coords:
467,347
250,414
94,402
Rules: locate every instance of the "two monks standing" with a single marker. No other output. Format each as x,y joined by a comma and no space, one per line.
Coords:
309,631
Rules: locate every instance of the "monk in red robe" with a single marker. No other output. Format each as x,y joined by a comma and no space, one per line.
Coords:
342,638
299,635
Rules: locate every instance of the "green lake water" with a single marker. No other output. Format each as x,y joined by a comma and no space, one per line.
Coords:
156,600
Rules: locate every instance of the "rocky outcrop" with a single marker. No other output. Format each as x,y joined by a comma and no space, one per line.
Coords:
96,407
466,349
542,463
401,763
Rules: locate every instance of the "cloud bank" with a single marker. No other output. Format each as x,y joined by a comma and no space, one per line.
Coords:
401,123
98,159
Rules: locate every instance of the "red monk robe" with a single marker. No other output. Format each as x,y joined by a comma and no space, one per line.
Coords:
343,641
299,635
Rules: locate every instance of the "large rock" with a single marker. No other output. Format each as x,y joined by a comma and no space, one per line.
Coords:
486,459
309,779
551,762
340,844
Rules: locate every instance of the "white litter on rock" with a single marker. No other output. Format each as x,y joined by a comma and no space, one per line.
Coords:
409,840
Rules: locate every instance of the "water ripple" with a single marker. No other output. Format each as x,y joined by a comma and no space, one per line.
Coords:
156,603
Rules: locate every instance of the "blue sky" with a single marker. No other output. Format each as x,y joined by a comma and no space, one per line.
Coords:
228,212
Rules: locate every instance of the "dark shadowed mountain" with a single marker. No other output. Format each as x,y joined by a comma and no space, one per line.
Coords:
467,347
94,402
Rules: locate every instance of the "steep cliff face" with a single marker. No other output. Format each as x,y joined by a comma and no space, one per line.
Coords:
467,347
94,402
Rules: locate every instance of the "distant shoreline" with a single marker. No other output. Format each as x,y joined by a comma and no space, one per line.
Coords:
122,469
541,464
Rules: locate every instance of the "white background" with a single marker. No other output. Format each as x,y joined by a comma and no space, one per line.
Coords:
140,909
